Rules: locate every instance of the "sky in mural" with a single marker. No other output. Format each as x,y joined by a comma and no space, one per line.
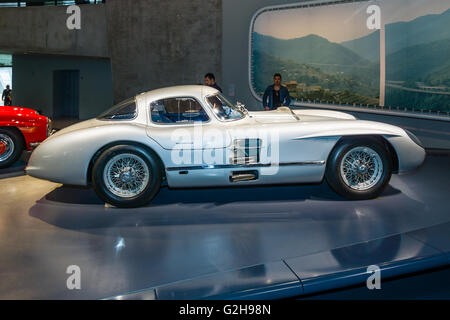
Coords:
337,22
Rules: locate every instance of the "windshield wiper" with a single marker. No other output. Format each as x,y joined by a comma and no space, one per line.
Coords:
294,114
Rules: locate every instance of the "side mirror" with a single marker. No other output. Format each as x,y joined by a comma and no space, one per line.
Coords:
240,104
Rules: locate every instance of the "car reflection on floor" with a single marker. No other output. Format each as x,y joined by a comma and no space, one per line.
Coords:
184,234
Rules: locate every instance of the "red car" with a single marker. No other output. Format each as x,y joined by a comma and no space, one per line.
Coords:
20,129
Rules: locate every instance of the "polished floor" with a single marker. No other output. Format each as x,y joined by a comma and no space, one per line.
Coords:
432,284
184,234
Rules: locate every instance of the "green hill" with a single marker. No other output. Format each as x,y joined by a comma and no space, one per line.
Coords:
440,76
336,87
367,47
265,66
312,50
428,64
399,35
418,62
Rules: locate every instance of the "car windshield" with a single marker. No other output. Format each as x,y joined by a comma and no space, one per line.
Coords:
224,109
124,110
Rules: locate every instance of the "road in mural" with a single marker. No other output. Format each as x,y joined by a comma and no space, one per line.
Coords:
327,53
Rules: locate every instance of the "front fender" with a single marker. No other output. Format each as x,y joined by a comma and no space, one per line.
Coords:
410,155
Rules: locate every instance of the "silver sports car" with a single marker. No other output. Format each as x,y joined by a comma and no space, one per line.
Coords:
192,136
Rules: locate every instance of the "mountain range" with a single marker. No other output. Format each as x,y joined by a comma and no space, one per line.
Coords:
311,49
416,51
314,49
420,61
400,35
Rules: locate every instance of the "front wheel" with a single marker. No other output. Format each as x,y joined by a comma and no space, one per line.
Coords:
11,147
359,169
127,176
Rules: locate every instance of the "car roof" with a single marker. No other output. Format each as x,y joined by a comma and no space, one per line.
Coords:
187,90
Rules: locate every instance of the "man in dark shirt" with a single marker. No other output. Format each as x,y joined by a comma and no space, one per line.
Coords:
276,95
210,80
6,96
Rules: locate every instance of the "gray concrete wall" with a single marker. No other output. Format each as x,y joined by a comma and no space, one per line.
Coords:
237,15
44,30
156,43
33,82
152,43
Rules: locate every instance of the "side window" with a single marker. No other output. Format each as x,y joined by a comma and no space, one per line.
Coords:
181,110
125,110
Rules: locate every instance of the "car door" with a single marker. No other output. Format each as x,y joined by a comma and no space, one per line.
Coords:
182,125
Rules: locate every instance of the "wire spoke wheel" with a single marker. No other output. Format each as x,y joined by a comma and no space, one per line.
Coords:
126,175
361,168
6,147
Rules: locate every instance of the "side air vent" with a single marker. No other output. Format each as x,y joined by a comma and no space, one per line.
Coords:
245,151
237,176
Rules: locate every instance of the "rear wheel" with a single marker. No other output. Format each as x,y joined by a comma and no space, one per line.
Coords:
11,147
359,169
127,176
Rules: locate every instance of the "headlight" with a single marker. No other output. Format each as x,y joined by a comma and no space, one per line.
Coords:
49,127
414,138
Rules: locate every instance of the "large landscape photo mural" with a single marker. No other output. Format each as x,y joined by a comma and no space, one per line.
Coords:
328,53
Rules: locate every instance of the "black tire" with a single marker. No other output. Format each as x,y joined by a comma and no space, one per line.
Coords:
336,180
150,188
9,138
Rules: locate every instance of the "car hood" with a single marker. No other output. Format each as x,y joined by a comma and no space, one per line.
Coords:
287,115
17,110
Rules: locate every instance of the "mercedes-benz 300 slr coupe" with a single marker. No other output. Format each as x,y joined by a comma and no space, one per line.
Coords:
192,136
